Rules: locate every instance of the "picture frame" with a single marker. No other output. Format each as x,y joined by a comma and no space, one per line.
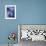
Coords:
36,32
10,11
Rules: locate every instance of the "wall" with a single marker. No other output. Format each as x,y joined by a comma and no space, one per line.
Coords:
6,26
28,12
31,11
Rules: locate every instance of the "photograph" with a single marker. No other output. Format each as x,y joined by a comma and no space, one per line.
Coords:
10,11
28,33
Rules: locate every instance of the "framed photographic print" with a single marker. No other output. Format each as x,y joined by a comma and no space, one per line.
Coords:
10,11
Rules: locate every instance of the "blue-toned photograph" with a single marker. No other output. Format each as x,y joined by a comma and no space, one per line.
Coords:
10,11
